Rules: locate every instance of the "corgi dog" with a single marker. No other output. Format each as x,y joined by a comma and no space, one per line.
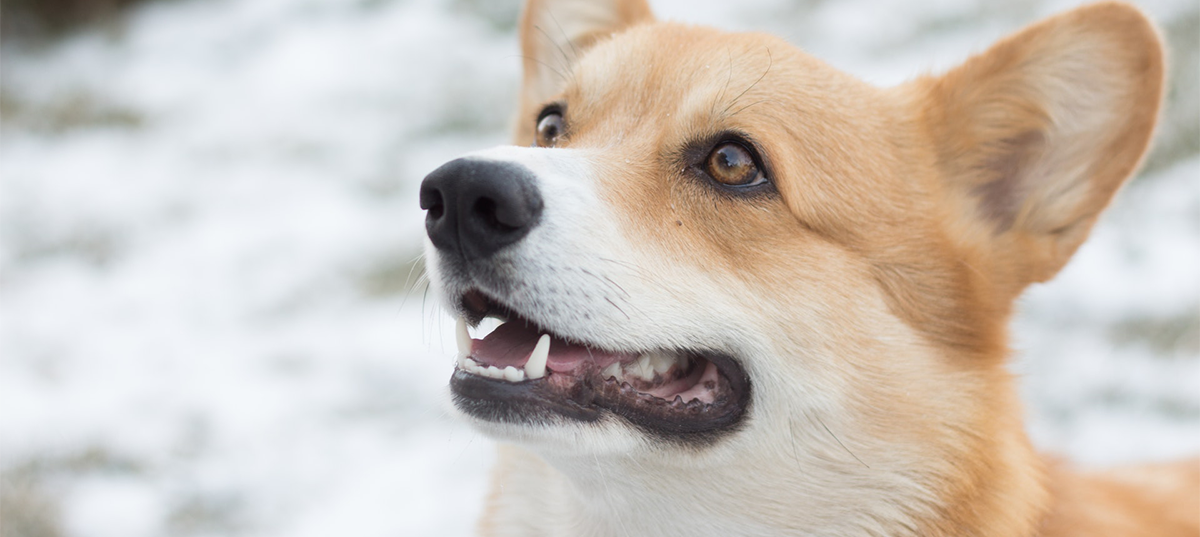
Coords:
744,293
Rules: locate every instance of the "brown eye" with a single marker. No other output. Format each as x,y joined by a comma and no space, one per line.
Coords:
731,164
549,127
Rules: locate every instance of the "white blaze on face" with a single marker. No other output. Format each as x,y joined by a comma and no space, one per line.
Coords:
566,181
579,274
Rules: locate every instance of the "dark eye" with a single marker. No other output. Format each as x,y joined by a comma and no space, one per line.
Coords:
732,164
549,127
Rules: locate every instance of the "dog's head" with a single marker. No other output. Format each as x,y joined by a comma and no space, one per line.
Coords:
706,244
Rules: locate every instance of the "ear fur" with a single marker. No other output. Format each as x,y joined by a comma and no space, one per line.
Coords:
1034,136
553,35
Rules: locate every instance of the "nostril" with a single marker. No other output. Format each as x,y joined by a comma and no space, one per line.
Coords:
434,205
488,212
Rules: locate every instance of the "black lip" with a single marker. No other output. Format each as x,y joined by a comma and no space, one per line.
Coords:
531,401
537,402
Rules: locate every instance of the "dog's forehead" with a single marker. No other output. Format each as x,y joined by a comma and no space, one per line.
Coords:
669,68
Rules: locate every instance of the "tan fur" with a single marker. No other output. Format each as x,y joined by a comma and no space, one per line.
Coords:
1158,499
908,220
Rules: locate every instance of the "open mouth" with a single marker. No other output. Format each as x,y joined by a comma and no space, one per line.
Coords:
522,373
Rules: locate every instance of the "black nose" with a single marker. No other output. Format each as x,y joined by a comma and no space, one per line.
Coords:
476,207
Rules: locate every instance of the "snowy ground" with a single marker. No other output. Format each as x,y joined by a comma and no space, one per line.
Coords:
210,233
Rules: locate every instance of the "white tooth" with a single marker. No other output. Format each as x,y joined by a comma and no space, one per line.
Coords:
495,372
661,362
462,362
513,374
535,367
463,338
645,370
640,368
632,369
612,371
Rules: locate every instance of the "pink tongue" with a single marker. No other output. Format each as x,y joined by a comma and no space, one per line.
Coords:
511,343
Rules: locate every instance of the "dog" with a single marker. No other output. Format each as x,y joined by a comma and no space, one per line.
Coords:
744,293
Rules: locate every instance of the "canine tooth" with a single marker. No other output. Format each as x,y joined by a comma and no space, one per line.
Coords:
462,337
535,367
612,371
513,374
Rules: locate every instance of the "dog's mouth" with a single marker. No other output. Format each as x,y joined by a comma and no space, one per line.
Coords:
522,373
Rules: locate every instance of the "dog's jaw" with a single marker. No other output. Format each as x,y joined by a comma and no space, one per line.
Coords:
744,487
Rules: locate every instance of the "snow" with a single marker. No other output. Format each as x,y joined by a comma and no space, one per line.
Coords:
209,217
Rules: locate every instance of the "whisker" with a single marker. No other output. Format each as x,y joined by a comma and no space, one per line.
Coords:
424,298
795,454
566,62
574,50
712,112
614,304
739,110
835,439
770,63
410,288
604,279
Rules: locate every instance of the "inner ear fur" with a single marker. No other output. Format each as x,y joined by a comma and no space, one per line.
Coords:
1034,136
554,33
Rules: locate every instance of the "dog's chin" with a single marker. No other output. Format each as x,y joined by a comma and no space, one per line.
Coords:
522,377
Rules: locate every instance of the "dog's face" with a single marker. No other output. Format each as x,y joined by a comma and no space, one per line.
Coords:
709,246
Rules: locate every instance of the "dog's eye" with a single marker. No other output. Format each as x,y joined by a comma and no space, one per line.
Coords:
549,127
732,164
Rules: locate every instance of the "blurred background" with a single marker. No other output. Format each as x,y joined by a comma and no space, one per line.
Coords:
211,314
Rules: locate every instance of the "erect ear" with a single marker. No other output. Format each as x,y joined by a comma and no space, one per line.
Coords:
1035,135
553,35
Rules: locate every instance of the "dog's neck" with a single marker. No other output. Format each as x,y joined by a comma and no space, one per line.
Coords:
814,487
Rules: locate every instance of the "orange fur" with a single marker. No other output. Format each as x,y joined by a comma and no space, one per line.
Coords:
1157,499
908,220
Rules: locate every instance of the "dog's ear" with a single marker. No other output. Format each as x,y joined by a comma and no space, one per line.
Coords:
1035,135
553,35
